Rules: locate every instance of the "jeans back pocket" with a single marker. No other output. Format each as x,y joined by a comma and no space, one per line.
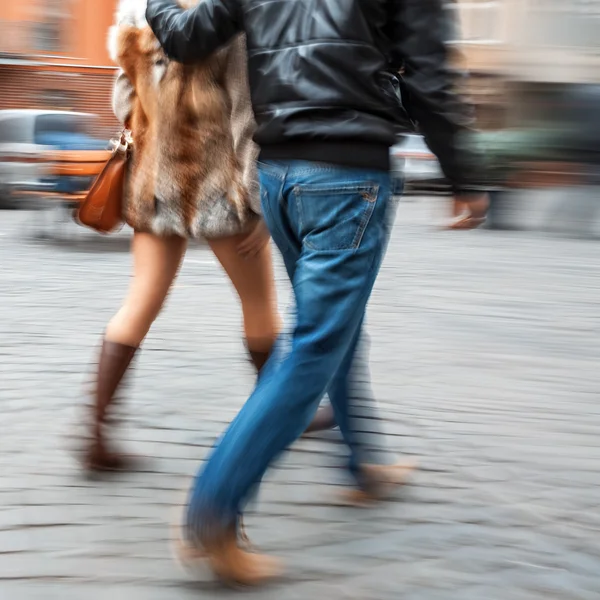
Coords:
334,216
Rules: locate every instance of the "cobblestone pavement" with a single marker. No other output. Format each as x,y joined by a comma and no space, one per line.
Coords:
485,361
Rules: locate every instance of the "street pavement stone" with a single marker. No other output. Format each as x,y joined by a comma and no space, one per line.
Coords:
484,358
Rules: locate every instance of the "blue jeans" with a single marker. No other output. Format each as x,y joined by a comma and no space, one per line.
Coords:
332,227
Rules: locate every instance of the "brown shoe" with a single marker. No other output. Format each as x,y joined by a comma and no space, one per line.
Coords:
232,564
323,420
380,482
191,556
114,360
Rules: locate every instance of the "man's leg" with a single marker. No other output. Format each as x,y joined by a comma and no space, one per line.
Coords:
359,418
356,410
354,405
376,470
351,394
338,216
290,248
357,414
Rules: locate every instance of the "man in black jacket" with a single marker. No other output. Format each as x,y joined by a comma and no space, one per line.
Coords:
323,91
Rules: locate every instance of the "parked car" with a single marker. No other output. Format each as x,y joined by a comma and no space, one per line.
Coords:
27,137
413,163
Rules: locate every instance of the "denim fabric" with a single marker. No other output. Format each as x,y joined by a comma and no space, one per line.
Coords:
332,227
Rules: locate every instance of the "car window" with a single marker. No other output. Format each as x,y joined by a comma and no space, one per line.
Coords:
62,123
14,130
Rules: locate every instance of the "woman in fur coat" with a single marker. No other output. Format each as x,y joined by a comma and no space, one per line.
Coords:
192,175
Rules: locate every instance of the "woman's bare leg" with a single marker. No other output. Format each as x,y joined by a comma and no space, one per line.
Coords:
252,277
156,262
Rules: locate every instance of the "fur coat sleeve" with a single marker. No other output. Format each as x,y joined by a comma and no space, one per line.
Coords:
242,118
121,98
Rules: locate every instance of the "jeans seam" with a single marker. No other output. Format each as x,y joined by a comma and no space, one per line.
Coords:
298,208
366,218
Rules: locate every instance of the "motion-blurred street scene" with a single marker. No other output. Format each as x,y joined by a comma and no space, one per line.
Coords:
485,343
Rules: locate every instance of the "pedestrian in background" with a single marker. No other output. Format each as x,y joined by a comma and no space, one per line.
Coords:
322,85
465,214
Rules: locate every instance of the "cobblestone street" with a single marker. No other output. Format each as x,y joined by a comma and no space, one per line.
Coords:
485,350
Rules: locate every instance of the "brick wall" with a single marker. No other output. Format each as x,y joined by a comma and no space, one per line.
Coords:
89,90
83,90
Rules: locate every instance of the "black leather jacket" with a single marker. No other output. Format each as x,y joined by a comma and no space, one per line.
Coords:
322,75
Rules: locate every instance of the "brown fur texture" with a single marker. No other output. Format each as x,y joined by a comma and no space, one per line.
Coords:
186,177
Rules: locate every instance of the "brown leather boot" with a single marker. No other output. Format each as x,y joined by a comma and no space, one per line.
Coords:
114,360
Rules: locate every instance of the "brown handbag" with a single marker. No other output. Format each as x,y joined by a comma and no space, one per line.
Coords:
102,208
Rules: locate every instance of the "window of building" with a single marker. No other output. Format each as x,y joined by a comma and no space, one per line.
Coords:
47,36
476,21
51,22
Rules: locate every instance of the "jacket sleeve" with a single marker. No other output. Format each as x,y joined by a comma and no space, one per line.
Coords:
419,35
191,35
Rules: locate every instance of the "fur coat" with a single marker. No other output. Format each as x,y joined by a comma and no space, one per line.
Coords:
193,166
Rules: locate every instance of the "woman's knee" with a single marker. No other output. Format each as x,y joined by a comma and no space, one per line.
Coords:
140,308
144,307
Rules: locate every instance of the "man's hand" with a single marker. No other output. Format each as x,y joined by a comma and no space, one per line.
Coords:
255,241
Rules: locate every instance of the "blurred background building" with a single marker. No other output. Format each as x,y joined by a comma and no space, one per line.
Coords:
53,56
523,53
